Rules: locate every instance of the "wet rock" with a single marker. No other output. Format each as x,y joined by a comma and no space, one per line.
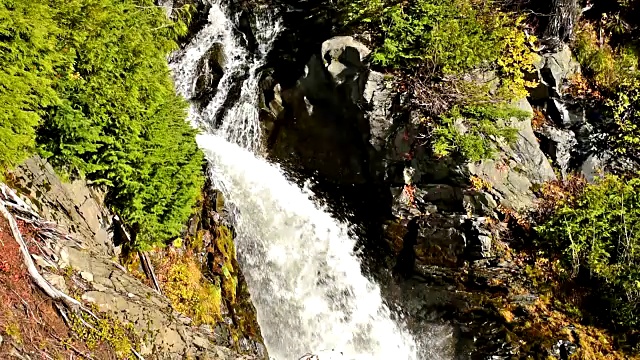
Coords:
563,349
210,69
445,197
480,238
440,240
559,145
322,128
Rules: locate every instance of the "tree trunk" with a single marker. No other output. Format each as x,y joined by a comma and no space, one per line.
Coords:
562,20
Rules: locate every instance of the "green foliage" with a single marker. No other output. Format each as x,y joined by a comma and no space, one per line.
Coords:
613,72
448,39
608,67
192,294
93,74
449,36
471,131
27,60
599,232
224,244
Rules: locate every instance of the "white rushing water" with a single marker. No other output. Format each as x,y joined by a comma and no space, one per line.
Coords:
303,276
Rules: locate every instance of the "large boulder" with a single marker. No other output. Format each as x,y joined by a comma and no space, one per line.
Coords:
210,69
518,167
321,125
553,70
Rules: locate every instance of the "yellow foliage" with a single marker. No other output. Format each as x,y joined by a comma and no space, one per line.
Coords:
479,183
107,329
607,66
516,59
191,294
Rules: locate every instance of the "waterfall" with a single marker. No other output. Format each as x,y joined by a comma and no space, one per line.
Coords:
299,262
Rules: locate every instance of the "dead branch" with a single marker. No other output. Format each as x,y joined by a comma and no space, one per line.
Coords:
147,266
49,231
48,289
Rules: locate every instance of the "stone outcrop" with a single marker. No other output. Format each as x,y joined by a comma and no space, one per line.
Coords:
74,206
350,126
518,167
210,70
87,257
343,104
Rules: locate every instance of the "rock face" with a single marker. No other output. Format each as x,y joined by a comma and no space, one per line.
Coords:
553,71
519,166
99,280
75,207
319,123
210,69
347,126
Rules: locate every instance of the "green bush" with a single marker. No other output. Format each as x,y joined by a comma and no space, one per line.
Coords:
108,110
613,72
28,57
447,36
598,232
448,39
609,68
471,131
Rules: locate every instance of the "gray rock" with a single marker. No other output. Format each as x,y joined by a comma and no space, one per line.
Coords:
593,167
75,207
343,57
211,68
561,65
87,276
553,71
445,197
379,94
440,241
479,202
480,238
560,146
518,167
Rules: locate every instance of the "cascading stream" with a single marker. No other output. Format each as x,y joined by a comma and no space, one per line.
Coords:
303,276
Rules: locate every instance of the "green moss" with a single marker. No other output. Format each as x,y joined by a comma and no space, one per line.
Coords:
13,331
106,330
197,242
191,294
224,244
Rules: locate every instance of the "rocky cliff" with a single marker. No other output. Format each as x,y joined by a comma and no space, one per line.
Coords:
79,258
442,227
